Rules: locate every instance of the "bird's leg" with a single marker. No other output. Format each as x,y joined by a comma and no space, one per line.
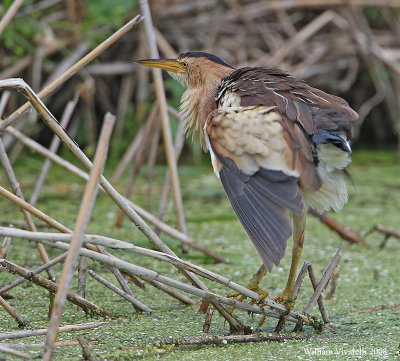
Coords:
299,224
254,284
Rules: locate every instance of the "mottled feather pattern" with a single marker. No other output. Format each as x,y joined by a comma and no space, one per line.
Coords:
305,110
251,136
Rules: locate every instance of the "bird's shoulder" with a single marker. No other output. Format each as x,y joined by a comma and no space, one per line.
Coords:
313,109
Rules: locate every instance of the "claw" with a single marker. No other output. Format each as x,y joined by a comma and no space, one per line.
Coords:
286,299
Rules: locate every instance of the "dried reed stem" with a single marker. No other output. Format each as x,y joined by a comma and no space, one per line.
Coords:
137,304
43,331
82,221
56,83
21,322
18,192
54,145
165,228
43,267
83,303
165,124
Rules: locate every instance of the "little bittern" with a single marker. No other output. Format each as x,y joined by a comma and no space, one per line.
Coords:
278,145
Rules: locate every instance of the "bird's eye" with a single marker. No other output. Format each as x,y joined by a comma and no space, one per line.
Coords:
185,64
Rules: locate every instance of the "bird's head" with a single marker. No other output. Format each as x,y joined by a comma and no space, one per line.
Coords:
192,69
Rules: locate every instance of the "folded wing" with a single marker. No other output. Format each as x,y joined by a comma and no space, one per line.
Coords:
256,170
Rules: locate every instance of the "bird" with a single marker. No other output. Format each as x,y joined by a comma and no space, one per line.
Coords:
278,145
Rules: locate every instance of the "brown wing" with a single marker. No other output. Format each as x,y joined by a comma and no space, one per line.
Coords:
254,165
306,112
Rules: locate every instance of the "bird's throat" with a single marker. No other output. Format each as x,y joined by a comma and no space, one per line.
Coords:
196,104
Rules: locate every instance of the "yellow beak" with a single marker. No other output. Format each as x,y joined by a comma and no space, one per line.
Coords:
166,64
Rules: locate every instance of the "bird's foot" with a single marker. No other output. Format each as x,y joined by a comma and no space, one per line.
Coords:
286,299
252,286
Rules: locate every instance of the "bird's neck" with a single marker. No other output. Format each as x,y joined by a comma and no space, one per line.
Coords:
197,103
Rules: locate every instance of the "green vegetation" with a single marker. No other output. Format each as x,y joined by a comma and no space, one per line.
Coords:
368,276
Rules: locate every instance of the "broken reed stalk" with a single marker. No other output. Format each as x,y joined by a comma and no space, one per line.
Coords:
56,83
165,123
85,345
43,267
172,292
82,221
137,304
201,293
15,185
318,288
386,231
344,232
225,340
118,244
120,278
43,331
320,300
51,286
54,145
165,228
21,322
54,224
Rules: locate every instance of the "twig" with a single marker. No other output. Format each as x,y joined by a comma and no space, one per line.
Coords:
178,146
73,69
387,231
82,221
11,12
86,305
320,300
43,267
201,293
21,322
371,309
82,276
344,232
86,353
3,101
137,164
5,246
114,243
129,154
43,331
172,292
18,192
231,339
333,284
322,283
137,304
318,288
54,145
12,352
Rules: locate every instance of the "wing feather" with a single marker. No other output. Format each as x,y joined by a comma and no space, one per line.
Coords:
260,203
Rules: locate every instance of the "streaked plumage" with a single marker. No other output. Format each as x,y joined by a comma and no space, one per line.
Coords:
277,144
